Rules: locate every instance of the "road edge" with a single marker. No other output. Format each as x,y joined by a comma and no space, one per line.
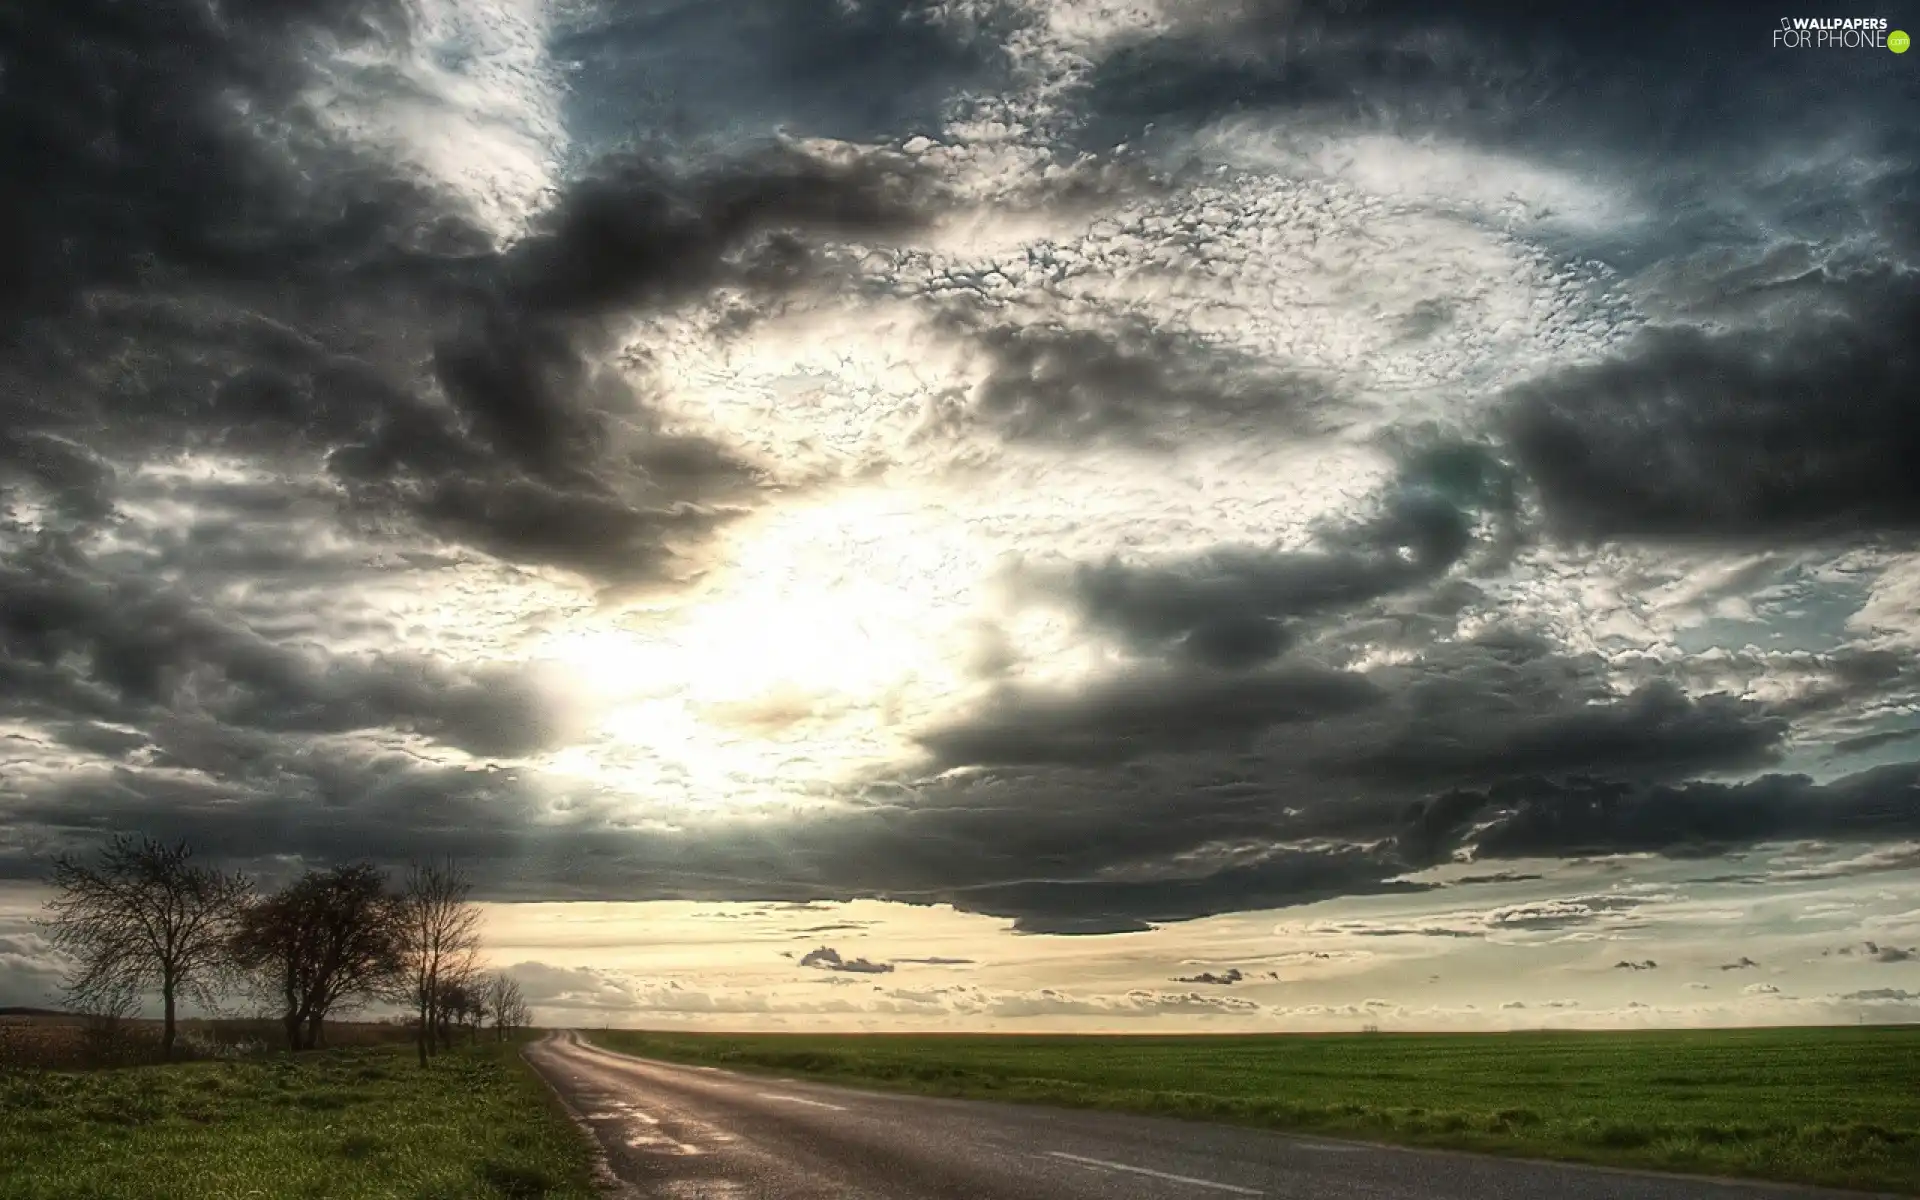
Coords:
605,1178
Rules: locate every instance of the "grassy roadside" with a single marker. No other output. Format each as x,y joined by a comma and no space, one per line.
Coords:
1839,1107
347,1124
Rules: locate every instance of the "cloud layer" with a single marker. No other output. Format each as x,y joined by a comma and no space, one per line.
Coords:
1092,470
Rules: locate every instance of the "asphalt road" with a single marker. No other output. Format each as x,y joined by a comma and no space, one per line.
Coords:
695,1133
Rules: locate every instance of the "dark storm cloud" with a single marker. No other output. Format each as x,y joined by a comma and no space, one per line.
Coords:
1810,431
1655,731
255,801
1217,781
252,798
1238,607
1136,384
633,234
143,654
1093,850
575,470
1629,78
1231,607
129,156
1505,705
1434,826
1279,882
1536,817
598,487
1141,713
1279,879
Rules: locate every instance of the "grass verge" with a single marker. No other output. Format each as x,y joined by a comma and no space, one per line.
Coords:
347,1125
1839,1107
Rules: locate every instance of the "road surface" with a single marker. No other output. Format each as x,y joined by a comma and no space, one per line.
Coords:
695,1133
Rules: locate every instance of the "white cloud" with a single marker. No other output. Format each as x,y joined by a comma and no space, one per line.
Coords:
476,109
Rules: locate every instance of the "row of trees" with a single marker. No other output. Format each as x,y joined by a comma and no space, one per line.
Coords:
142,917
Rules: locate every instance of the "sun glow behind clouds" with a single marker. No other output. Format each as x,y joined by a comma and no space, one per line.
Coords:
837,625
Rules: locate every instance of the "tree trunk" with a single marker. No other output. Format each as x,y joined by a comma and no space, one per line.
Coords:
167,1027
423,1033
290,1007
316,1032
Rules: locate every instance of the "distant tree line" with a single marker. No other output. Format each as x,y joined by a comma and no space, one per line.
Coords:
143,917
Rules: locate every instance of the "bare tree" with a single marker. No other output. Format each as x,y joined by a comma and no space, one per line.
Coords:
321,945
473,1014
143,917
439,943
504,1004
458,1008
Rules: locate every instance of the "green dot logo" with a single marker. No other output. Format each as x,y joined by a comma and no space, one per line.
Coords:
1898,41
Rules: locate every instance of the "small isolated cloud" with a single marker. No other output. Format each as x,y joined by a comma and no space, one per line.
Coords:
1312,957
826,958
1646,965
1559,914
1065,925
934,961
1875,952
1609,911
1886,995
1224,979
1760,989
1513,1004
1742,964
1697,986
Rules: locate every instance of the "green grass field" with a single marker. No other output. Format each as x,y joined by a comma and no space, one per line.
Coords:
1833,1106
350,1124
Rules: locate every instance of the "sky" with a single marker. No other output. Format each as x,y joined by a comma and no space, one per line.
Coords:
1151,515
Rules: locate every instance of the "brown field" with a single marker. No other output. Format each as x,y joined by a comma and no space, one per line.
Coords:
50,1042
